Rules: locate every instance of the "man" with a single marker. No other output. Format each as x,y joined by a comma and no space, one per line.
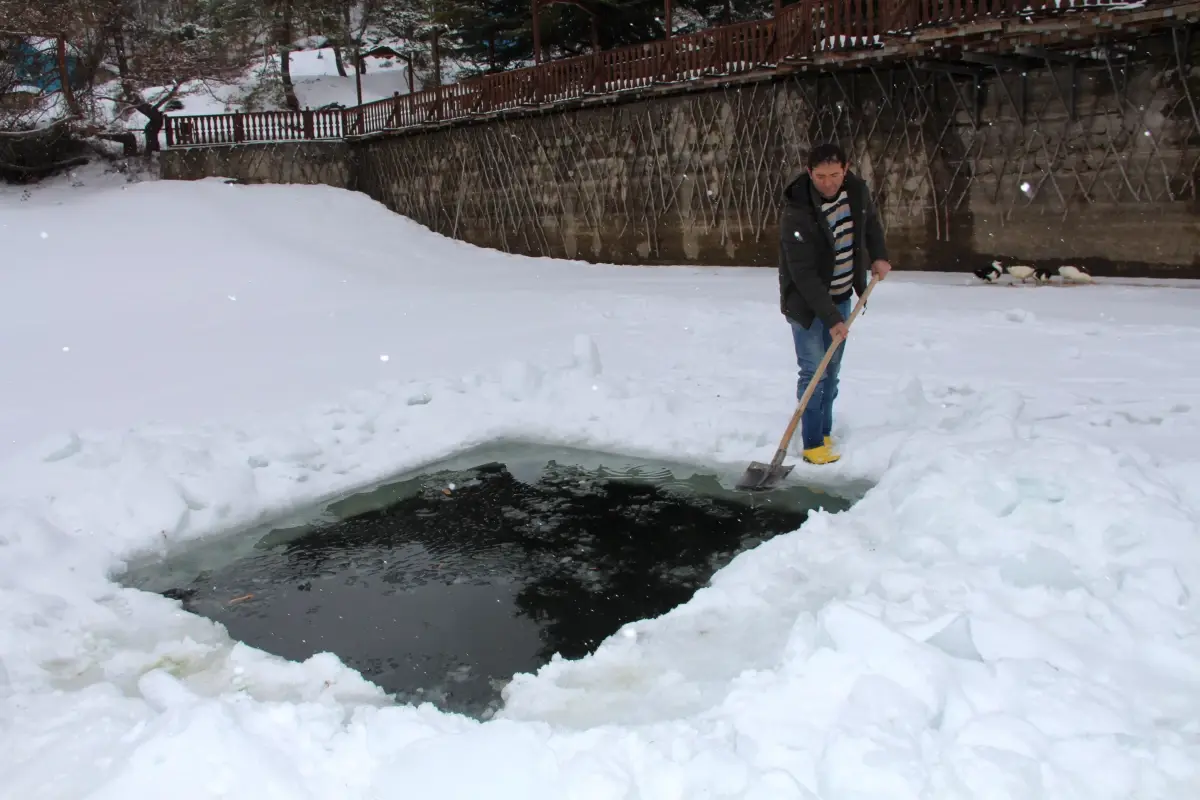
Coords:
829,236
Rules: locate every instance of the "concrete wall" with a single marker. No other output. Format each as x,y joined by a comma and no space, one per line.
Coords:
963,171
283,162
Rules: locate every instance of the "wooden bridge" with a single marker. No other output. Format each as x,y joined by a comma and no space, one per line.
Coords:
807,35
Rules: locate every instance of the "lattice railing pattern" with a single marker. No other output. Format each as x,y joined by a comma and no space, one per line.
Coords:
699,177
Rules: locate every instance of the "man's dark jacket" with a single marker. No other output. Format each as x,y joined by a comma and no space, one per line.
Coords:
806,249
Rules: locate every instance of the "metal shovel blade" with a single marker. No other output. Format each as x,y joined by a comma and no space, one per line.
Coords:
760,477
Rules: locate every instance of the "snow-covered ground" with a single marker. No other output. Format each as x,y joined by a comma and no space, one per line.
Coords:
1010,612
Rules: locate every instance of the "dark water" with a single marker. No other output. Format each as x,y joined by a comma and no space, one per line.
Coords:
443,586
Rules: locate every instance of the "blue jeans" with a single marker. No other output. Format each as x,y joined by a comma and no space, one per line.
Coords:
811,343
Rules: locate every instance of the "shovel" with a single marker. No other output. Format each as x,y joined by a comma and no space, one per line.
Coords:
760,477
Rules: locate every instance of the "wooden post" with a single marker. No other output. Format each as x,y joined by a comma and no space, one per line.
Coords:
537,34
777,22
669,66
437,58
891,16
309,132
239,127
437,74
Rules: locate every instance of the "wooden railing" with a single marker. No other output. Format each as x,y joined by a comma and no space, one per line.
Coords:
802,30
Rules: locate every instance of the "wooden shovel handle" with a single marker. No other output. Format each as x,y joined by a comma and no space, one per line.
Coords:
790,431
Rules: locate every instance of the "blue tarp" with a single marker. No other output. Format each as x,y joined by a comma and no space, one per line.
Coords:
35,62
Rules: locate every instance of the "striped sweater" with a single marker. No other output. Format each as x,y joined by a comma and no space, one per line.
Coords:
837,213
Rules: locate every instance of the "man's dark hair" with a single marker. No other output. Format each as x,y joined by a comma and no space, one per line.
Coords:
826,154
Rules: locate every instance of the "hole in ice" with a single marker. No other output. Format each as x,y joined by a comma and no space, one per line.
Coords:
439,586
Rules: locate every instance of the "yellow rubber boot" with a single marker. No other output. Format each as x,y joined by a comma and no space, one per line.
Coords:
824,454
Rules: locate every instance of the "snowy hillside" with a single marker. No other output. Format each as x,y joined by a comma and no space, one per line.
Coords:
1010,612
314,75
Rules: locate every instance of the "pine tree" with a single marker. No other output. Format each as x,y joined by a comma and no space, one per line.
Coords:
493,35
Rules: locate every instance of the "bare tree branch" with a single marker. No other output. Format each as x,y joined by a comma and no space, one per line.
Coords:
33,133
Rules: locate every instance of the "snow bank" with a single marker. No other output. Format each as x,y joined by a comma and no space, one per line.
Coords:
1010,611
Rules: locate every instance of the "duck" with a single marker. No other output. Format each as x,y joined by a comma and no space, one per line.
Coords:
1075,274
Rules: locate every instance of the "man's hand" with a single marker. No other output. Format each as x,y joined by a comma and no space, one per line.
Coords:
880,268
839,331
